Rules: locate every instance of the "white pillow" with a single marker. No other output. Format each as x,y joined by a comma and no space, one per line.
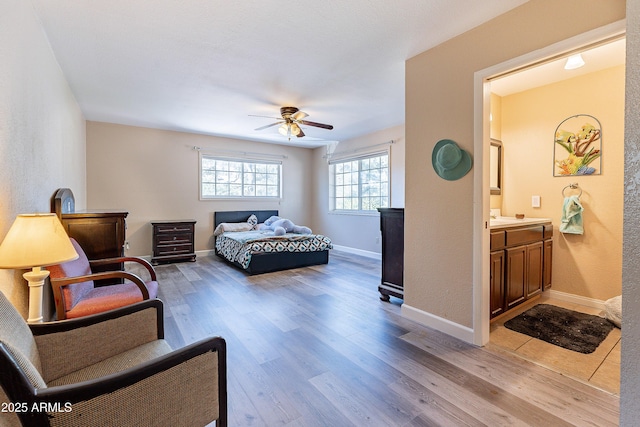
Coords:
232,226
253,220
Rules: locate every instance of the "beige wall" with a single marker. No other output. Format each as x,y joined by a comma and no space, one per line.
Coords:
440,104
588,265
153,174
42,131
358,232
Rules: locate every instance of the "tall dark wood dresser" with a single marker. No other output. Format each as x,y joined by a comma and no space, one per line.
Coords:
392,229
100,233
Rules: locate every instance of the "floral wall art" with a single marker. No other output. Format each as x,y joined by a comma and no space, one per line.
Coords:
578,146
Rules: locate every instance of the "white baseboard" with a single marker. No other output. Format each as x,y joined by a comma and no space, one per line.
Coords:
575,299
443,325
205,252
360,252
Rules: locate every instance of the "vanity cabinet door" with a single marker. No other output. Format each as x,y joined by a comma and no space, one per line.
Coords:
497,283
524,273
534,269
515,275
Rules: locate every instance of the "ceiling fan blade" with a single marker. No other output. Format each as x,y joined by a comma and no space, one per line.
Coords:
299,115
300,134
318,125
268,117
268,126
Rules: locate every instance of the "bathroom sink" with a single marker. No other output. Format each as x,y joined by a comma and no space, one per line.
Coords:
510,221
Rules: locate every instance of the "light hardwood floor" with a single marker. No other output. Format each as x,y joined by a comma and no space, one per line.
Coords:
316,347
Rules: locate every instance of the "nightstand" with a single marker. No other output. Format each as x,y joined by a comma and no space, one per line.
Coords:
173,240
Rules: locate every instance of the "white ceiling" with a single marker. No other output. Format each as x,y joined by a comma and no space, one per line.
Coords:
204,66
596,59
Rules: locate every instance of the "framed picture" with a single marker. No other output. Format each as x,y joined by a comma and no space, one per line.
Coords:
578,146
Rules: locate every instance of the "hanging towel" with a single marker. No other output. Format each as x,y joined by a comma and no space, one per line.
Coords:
571,221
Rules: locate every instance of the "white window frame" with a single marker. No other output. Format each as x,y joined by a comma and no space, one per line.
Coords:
244,161
333,187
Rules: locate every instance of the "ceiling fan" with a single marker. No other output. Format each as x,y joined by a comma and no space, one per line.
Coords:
290,122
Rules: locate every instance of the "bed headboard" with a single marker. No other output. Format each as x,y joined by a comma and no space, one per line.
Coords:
240,216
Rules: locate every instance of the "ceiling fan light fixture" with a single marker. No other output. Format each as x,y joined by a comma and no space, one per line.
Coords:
292,119
573,62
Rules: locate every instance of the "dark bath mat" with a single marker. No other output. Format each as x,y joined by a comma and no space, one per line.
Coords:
565,328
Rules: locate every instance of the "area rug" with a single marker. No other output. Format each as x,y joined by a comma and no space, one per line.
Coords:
565,328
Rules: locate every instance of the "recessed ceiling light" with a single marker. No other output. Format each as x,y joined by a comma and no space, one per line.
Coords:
573,62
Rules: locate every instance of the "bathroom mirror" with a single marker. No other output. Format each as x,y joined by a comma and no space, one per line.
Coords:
495,168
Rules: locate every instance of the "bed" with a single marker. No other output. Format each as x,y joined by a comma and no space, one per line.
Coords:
259,252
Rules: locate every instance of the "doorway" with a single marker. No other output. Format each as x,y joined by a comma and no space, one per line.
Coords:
501,76
483,80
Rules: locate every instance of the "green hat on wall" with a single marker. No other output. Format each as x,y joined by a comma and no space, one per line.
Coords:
450,161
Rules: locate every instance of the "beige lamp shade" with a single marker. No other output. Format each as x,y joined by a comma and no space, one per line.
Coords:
36,240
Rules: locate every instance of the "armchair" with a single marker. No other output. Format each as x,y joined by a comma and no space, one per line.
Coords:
75,294
109,369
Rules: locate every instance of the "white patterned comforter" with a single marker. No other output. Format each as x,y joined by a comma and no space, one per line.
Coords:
240,246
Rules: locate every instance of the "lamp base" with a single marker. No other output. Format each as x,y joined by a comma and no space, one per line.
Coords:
36,278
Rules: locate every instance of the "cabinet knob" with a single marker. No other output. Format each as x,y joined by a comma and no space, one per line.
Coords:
174,237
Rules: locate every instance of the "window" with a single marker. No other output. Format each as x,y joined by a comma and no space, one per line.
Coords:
228,178
360,184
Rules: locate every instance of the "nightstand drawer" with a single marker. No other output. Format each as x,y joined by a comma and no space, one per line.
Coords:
177,249
172,239
174,228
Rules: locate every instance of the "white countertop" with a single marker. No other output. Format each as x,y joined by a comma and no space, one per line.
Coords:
510,221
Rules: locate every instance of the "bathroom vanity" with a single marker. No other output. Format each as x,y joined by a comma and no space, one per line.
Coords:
521,254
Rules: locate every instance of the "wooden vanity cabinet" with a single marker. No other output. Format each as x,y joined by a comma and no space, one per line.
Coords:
520,265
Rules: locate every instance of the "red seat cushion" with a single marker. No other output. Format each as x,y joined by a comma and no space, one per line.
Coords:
109,297
83,299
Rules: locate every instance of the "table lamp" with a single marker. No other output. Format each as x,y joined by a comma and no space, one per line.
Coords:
35,241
